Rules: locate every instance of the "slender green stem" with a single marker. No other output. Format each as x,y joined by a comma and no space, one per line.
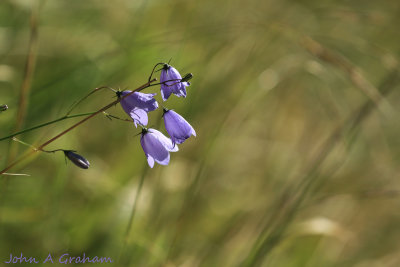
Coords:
110,116
74,105
74,126
151,75
133,212
16,174
165,82
29,69
22,142
26,84
45,124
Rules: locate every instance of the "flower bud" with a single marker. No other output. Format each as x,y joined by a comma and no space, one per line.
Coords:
187,77
3,107
78,160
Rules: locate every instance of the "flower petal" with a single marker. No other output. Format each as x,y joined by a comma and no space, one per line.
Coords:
166,92
174,74
167,142
150,161
154,149
138,100
139,116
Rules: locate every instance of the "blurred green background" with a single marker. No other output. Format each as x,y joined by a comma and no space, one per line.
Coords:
295,105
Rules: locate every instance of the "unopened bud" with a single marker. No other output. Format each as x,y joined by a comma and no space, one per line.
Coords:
187,77
77,159
3,107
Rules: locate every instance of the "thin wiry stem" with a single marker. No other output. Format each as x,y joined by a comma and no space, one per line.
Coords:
57,120
27,79
74,105
29,69
110,117
151,74
165,82
16,174
34,148
24,143
45,124
74,126
133,212
25,88
134,208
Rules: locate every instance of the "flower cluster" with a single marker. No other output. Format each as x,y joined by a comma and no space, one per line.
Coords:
137,105
156,145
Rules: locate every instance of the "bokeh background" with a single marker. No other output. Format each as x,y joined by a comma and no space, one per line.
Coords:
295,105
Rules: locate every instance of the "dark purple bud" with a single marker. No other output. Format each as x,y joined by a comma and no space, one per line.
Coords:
3,107
78,160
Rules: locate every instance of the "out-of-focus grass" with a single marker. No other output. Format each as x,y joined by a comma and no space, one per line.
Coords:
278,174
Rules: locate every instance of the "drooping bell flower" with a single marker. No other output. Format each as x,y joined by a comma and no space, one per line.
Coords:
137,105
156,147
177,127
77,159
175,85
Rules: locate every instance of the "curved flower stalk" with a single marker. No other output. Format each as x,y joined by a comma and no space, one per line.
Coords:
75,158
171,82
177,127
156,147
137,105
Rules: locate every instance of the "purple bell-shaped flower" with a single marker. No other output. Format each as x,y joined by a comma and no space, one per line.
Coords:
137,105
174,85
177,127
156,147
